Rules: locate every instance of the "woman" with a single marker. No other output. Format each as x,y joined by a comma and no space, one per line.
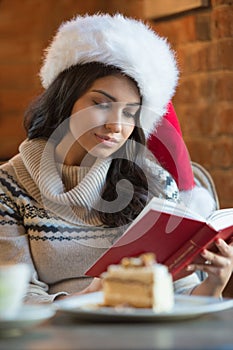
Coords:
84,172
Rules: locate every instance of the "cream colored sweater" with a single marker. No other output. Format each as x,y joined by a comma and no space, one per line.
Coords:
45,221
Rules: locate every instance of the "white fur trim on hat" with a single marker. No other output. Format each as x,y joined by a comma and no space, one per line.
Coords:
122,42
199,200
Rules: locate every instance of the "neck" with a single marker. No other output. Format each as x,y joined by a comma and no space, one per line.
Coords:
69,152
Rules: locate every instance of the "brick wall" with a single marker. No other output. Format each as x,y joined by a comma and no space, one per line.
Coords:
204,45
203,40
26,27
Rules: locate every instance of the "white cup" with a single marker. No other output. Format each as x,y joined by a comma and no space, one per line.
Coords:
13,286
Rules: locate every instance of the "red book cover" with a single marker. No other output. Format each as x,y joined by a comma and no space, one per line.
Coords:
189,252
175,239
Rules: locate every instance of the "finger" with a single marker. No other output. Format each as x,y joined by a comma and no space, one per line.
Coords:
208,268
208,256
223,247
230,241
214,259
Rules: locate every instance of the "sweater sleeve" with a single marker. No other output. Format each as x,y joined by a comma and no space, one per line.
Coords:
186,284
14,246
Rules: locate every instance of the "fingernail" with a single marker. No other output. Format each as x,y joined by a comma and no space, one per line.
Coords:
203,253
190,268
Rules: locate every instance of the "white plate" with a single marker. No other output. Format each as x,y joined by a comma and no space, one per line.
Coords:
27,317
87,307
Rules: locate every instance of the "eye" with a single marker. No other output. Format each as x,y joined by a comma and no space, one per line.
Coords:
101,105
129,114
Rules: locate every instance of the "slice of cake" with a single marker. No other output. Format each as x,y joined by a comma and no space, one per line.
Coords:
140,283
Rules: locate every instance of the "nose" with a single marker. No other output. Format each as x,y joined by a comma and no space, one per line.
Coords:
113,127
114,123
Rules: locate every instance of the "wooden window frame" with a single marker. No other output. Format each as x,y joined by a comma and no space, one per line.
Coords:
155,9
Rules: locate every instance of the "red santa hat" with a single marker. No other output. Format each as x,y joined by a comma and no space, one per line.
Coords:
167,144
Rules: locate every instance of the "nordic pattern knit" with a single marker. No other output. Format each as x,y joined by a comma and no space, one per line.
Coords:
46,222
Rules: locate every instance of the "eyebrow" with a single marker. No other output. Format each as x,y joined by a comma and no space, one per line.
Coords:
114,99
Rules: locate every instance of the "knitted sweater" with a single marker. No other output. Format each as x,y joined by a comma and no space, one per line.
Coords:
46,221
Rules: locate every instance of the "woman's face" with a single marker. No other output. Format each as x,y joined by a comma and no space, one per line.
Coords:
104,117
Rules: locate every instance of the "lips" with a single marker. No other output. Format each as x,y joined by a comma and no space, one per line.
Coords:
106,138
107,141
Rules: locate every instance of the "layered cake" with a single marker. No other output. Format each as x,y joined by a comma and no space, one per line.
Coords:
139,282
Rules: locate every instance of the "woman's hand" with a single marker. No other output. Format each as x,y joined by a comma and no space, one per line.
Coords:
218,266
94,286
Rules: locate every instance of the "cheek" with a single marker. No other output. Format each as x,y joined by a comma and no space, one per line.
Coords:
85,120
127,130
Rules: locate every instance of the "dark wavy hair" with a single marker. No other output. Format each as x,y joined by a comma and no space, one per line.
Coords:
54,106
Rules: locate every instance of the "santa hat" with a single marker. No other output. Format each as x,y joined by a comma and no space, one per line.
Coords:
167,144
197,189
122,42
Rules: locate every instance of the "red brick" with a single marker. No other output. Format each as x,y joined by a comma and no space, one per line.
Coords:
222,22
198,120
134,8
188,90
220,55
14,101
224,54
19,76
224,90
207,88
206,56
223,180
12,134
201,56
197,89
8,148
221,154
211,154
177,31
215,3
200,150
203,26
30,17
195,57
12,127
225,118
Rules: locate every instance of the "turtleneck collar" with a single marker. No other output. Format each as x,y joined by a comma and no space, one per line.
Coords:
38,159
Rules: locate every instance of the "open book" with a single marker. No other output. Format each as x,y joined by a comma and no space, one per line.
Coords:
175,234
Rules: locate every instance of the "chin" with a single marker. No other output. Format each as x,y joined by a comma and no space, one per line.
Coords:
101,152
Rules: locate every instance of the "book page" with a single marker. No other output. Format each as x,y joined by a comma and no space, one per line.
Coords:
221,219
165,206
173,208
